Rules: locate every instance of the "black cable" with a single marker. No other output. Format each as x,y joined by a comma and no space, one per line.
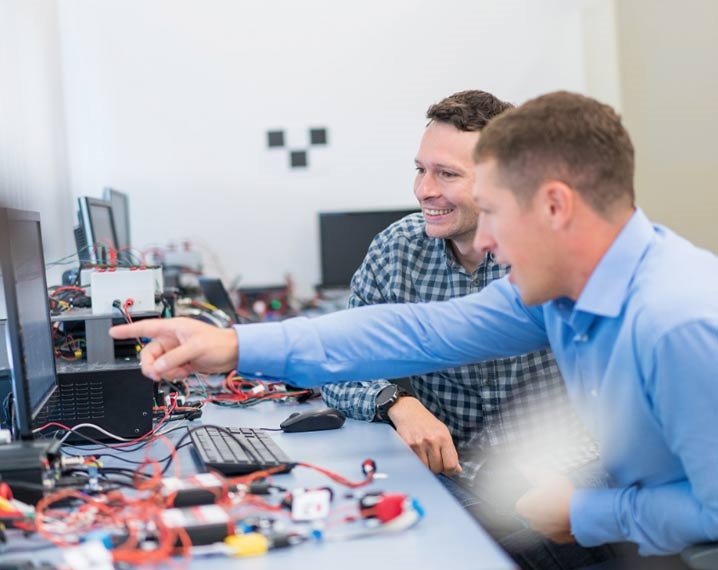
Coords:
128,449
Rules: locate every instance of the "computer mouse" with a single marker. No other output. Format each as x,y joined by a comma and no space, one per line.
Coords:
313,420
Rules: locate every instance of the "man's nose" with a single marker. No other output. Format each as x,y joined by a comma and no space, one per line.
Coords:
426,187
483,242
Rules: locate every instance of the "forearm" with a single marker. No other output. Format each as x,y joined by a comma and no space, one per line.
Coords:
389,341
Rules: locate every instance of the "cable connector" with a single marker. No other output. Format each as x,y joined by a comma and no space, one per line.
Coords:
309,504
368,467
249,544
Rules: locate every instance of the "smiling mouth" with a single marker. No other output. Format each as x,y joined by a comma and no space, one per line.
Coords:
432,212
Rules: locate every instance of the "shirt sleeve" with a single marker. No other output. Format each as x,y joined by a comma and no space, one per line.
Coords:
358,399
683,386
392,341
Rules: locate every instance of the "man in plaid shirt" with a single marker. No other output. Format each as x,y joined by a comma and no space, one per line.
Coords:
512,414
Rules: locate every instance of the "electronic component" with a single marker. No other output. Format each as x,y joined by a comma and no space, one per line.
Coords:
109,285
201,489
27,467
203,524
115,397
311,504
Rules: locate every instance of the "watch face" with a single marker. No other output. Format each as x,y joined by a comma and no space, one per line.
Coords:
386,396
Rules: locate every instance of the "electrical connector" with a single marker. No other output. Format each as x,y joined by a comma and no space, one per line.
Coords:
250,544
368,467
201,489
203,524
311,504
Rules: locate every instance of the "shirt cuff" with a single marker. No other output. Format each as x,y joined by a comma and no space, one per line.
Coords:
593,517
258,344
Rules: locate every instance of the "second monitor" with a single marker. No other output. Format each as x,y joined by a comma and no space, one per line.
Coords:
95,237
345,238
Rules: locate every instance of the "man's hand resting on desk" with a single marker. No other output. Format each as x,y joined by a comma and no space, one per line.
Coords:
426,435
181,346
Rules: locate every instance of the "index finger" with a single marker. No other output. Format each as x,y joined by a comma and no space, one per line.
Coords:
145,328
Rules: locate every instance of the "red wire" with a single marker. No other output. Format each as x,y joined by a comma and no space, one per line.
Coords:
339,478
67,288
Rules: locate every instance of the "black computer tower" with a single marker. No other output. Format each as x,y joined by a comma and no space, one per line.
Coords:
115,397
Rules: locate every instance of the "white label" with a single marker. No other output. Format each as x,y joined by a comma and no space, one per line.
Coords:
311,505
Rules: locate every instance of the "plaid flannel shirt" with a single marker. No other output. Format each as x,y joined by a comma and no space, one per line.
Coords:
516,404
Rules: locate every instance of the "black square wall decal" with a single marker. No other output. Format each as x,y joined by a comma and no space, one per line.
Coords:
318,136
298,159
275,138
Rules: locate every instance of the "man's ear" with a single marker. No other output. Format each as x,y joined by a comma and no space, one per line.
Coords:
557,202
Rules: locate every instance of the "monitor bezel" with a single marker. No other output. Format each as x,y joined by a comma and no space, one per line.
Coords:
24,414
109,195
85,203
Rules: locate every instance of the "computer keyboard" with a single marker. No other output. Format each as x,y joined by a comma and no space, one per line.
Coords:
237,451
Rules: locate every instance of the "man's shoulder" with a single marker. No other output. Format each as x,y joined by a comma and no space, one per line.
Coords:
677,283
409,231
411,226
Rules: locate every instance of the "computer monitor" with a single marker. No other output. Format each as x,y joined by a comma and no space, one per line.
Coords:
120,202
215,293
28,330
96,233
345,238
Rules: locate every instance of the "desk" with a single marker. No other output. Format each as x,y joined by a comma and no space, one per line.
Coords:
447,537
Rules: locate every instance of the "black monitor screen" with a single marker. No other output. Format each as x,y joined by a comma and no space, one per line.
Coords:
121,215
345,238
215,293
98,228
102,225
29,331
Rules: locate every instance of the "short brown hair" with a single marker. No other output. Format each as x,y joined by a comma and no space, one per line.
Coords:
562,136
467,110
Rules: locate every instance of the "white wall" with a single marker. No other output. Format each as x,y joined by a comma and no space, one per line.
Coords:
169,100
33,161
669,83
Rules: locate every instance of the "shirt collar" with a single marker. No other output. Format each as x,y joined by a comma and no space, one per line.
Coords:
607,287
452,262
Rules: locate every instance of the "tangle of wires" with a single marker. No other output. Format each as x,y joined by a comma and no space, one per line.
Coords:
65,344
140,528
172,400
68,297
128,501
237,392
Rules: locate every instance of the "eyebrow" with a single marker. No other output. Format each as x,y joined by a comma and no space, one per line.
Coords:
441,165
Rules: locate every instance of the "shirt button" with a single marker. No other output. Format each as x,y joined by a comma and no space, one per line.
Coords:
580,338
258,374
594,393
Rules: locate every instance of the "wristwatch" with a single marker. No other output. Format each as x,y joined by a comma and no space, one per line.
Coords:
385,399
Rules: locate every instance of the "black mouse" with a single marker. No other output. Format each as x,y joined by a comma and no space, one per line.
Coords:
313,420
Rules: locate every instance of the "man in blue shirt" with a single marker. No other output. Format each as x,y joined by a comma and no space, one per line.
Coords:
629,308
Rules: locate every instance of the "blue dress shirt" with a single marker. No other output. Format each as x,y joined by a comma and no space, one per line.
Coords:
638,351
